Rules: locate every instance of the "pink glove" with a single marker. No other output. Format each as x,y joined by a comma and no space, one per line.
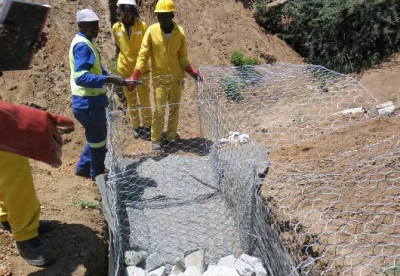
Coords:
135,76
31,132
194,72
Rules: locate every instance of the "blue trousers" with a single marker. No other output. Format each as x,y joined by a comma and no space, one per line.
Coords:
91,161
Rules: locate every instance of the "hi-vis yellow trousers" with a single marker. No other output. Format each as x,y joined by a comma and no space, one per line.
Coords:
18,202
170,94
143,91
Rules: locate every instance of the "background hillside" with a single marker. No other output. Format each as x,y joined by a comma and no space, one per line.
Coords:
214,30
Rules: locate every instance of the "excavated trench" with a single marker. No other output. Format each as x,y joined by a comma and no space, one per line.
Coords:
178,204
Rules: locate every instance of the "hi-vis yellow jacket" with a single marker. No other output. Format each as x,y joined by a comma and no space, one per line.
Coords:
129,46
168,57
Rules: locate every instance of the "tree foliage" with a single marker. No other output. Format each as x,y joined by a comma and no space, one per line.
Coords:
343,35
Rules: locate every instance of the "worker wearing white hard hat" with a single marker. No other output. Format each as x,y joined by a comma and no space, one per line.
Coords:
89,98
128,33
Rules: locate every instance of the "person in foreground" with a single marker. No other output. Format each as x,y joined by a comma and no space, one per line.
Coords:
26,132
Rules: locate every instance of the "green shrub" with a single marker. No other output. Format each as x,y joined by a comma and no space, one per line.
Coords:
237,59
343,35
231,89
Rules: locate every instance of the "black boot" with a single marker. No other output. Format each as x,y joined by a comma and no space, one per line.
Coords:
44,226
35,252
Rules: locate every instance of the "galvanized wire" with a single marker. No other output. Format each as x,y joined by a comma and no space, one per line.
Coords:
224,184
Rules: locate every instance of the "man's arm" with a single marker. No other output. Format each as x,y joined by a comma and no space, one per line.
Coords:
84,61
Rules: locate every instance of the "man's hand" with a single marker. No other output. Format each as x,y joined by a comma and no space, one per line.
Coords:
115,79
8,35
133,80
32,133
194,72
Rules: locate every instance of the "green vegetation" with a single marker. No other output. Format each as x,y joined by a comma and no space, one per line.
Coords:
394,271
231,89
343,35
83,204
237,59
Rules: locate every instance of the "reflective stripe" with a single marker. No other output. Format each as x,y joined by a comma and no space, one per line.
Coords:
96,69
97,145
78,74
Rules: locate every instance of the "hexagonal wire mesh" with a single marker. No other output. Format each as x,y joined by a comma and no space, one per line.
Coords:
204,190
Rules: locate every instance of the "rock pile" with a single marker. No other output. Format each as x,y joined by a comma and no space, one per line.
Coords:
193,264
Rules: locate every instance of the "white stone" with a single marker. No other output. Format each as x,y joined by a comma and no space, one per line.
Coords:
385,108
191,271
161,271
260,270
356,110
221,271
132,258
135,271
244,268
255,263
179,267
228,261
385,104
195,259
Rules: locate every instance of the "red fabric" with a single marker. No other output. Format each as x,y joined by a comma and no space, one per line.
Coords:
194,72
31,132
135,76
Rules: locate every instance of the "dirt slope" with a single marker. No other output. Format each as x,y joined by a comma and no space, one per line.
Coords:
214,30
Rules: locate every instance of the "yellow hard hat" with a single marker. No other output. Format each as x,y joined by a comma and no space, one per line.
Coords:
165,6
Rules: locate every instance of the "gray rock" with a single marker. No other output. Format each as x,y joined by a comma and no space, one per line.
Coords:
195,259
161,271
191,271
244,268
221,271
179,267
132,258
153,262
255,263
135,271
227,261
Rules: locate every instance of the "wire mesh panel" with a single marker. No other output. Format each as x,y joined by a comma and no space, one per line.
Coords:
265,162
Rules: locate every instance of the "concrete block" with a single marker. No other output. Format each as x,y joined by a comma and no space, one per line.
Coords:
385,108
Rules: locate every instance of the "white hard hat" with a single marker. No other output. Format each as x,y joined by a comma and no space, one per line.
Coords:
86,15
126,2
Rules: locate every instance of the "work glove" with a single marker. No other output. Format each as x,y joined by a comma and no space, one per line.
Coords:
32,133
115,79
134,79
194,72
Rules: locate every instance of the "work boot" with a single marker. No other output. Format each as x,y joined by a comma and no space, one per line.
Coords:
156,146
136,133
35,252
145,133
82,174
44,226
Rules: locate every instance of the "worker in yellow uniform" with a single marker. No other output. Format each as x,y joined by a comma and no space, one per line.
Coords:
25,132
128,34
165,43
